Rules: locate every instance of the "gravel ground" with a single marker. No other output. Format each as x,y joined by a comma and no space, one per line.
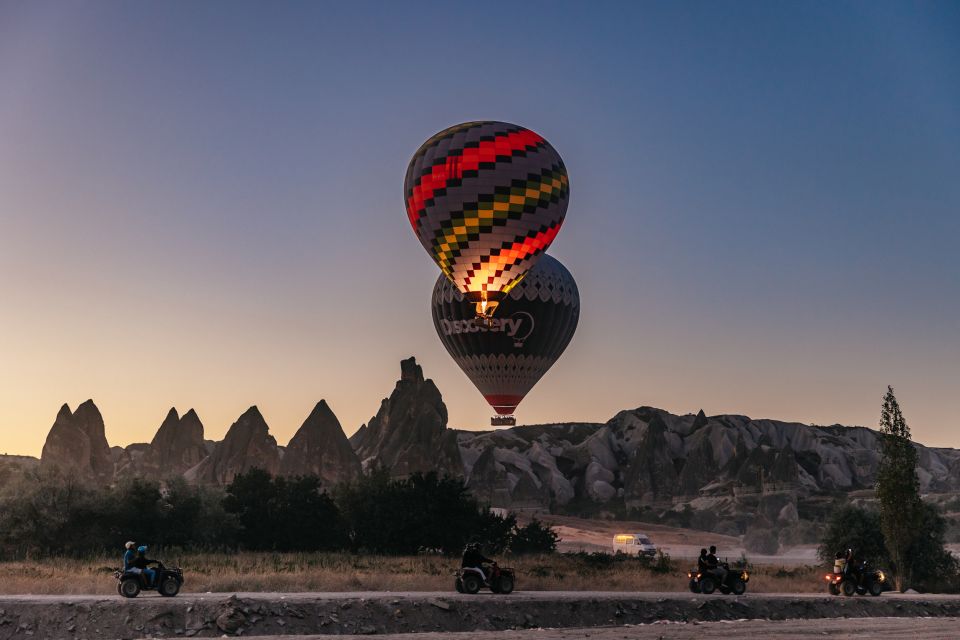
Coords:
445,614
875,628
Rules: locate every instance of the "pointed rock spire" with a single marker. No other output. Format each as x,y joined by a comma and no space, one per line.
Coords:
320,447
247,445
409,434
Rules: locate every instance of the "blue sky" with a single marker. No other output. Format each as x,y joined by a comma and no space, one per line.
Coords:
201,205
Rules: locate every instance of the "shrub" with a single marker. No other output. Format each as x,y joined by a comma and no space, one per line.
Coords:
535,537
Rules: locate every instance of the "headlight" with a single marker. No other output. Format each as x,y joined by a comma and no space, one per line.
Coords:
698,575
881,577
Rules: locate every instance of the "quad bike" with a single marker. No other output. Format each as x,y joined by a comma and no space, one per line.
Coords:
167,582
862,581
705,582
498,579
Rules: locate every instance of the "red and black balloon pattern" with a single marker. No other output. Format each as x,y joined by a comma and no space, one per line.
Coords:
486,199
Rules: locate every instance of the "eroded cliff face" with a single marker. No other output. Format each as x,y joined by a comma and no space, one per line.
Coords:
647,457
409,433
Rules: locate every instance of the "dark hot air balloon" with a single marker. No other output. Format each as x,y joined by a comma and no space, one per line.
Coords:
486,199
506,355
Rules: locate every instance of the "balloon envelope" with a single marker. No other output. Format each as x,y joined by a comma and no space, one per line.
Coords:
486,199
505,356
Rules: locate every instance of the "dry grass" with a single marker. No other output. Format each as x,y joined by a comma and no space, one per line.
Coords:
290,572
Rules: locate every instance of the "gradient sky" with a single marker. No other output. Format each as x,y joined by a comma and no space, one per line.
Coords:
201,205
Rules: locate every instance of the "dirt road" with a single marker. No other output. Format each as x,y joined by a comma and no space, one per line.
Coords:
875,628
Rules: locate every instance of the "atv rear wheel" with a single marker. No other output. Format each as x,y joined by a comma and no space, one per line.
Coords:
833,588
848,588
471,584
130,588
169,587
505,584
707,585
694,587
875,588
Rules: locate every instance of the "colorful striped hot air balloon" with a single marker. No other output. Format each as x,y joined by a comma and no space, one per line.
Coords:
486,199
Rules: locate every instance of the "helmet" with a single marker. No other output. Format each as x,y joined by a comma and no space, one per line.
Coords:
142,549
703,552
130,545
713,549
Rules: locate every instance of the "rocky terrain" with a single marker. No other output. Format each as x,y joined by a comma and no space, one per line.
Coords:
292,614
719,473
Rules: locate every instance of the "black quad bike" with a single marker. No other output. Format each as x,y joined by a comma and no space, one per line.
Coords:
499,579
167,582
861,581
704,582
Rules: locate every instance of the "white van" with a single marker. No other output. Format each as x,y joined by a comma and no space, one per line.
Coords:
635,544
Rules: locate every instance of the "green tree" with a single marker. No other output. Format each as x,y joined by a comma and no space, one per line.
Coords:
535,537
898,488
854,528
933,566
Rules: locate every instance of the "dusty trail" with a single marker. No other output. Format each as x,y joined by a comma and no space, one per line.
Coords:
876,628
265,614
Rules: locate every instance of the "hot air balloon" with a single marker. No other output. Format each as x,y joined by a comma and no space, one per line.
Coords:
506,356
486,199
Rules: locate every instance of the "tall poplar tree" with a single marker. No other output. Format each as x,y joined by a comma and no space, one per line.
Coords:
898,488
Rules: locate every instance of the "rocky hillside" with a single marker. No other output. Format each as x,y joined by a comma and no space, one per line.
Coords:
746,470
640,459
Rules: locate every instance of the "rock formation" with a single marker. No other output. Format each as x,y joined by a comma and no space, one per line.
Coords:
248,444
409,434
177,446
321,448
77,444
726,465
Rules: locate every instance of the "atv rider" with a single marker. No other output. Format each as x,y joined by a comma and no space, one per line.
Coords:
714,567
129,556
473,559
143,563
702,561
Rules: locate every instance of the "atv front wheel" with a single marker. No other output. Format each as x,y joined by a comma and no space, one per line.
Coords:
505,584
169,587
458,585
739,587
875,588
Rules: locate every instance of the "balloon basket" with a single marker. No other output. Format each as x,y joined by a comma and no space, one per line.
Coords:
503,421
